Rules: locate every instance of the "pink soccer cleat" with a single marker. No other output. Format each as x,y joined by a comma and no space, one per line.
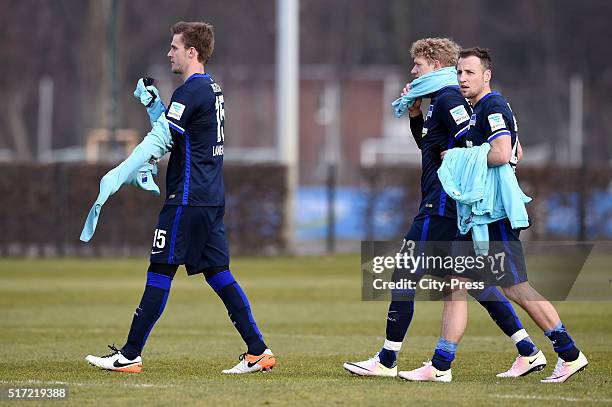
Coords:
427,373
564,370
523,365
370,367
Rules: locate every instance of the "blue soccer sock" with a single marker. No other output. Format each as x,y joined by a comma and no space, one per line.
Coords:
239,310
148,312
503,314
562,343
399,318
444,354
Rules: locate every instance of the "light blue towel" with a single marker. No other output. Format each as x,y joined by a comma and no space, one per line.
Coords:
425,85
157,108
483,194
136,170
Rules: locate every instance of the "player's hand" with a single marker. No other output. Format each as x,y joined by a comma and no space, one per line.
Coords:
146,92
415,109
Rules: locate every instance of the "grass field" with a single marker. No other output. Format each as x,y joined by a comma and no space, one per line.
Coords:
54,312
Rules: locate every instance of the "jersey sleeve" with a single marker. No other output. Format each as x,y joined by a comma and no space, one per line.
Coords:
180,111
498,122
456,116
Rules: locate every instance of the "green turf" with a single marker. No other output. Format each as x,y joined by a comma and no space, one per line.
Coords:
54,312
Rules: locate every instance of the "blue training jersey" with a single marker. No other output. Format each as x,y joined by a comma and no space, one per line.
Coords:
446,120
196,117
492,118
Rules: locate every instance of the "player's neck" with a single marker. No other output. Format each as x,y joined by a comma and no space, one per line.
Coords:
476,99
199,68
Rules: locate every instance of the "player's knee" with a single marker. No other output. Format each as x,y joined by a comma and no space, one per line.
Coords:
210,272
163,269
519,293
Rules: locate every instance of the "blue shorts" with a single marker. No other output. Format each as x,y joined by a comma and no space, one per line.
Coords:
191,235
432,228
429,235
505,263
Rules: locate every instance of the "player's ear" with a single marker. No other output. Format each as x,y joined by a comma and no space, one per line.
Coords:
487,75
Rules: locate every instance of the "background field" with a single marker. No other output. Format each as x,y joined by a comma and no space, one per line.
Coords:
54,312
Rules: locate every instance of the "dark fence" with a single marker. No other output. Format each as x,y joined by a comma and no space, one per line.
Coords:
43,207
568,203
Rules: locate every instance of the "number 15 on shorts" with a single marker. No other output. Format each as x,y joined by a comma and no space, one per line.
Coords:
159,241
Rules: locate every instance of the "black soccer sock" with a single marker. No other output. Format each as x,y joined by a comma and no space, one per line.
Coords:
562,343
503,314
148,312
399,318
499,308
238,309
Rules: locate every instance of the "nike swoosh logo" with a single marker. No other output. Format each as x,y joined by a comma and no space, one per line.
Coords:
532,361
117,364
362,368
249,364
156,252
440,375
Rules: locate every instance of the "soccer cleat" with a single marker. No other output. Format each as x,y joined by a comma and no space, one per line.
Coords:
427,373
371,367
564,370
523,365
116,361
253,363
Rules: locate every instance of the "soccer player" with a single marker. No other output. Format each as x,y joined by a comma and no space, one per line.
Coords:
190,227
447,120
493,122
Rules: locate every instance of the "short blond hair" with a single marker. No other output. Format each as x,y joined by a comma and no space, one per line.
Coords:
444,50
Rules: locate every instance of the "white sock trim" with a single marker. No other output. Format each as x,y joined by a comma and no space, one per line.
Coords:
519,336
394,346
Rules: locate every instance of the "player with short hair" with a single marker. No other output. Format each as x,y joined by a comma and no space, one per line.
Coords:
493,122
446,121
190,227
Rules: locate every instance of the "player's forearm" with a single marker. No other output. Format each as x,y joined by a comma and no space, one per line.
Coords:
416,127
501,151
154,145
497,156
158,140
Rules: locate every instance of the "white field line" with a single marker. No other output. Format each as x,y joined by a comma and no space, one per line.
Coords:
555,398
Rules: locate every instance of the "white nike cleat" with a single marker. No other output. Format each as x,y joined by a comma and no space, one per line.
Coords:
427,373
253,363
116,361
523,365
370,367
564,370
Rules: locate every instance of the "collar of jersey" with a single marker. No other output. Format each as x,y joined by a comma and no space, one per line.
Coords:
446,87
486,97
197,75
